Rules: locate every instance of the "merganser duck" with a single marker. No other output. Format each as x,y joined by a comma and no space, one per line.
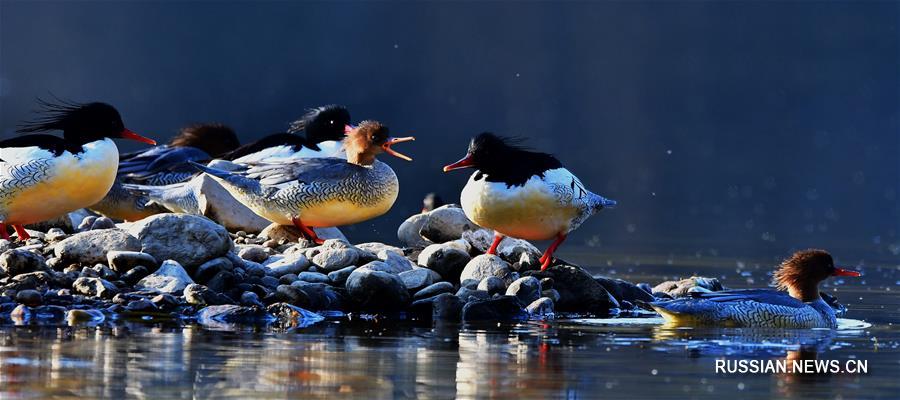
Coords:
324,130
523,194
795,303
45,176
321,192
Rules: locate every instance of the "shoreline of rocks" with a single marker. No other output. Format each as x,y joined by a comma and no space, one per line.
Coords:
180,266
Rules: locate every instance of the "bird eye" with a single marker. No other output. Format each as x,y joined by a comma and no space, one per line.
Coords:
331,122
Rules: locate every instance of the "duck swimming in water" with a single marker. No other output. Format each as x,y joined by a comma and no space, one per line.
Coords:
321,192
523,194
163,165
796,303
45,176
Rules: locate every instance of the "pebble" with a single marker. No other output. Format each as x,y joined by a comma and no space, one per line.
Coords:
493,285
335,259
408,232
542,307
16,262
446,223
30,298
124,261
95,287
281,265
169,278
578,291
434,289
486,265
340,276
377,290
526,289
500,308
416,279
313,277
92,247
447,261
189,240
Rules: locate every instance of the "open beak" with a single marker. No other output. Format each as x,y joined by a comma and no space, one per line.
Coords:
392,141
466,162
129,134
844,272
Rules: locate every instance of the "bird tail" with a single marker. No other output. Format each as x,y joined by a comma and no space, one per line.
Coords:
230,178
178,197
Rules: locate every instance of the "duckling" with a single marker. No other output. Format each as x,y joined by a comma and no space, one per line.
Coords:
795,303
524,194
321,192
45,176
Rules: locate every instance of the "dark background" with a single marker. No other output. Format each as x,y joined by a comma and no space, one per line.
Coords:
723,129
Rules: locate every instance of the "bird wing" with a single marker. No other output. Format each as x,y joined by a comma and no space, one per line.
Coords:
766,296
160,160
21,149
304,171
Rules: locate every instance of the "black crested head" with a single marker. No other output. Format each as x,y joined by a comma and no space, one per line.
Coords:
503,159
323,123
80,123
215,139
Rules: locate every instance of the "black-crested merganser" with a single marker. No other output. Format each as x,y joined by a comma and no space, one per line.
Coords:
45,176
163,165
523,194
323,130
795,304
321,192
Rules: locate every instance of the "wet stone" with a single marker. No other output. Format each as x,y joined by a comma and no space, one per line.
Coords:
527,289
467,295
200,295
542,307
288,279
289,315
377,291
141,306
16,262
124,261
492,285
487,265
313,277
333,260
88,316
447,307
103,223
446,260
250,299
416,280
169,278
501,308
215,315
292,295
95,287
321,296
134,275
340,276
31,298
578,291
397,262
624,291
434,289
211,268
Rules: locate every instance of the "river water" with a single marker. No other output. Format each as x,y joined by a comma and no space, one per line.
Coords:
369,358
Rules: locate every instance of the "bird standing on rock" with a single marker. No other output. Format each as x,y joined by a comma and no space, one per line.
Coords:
320,192
523,194
45,176
797,304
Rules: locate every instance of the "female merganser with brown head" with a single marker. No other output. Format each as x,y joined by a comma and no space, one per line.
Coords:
321,192
163,165
323,130
45,176
523,194
795,304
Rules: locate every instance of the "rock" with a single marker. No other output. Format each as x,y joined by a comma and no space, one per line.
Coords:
278,266
446,307
21,314
445,260
487,265
397,261
433,290
281,233
288,315
381,266
340,276
16,262
578,291
511,250
446,223
188,239
211,268
293,295
552,294
377,290
170,278
165,302
288,279
416,279
105,272
254,253
479,240
103,223
232,314
84,317
141,306
333,260
91,247
624,291
50,313
134,275
95,287
682,287
56,234
493,285
200,295
501,308
222,281
542,307
330,233
467,294
313,277
124,261
250,299
526,289
459,244
321,296
377,248
30,298
408,232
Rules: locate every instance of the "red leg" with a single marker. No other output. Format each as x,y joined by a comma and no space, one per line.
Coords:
3,232
497,239
548,255
20,230
307,231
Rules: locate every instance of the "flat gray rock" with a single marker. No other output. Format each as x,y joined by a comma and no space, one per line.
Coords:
188,239
170,278
91,247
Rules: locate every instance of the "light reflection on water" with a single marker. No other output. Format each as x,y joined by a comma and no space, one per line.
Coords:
385,359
